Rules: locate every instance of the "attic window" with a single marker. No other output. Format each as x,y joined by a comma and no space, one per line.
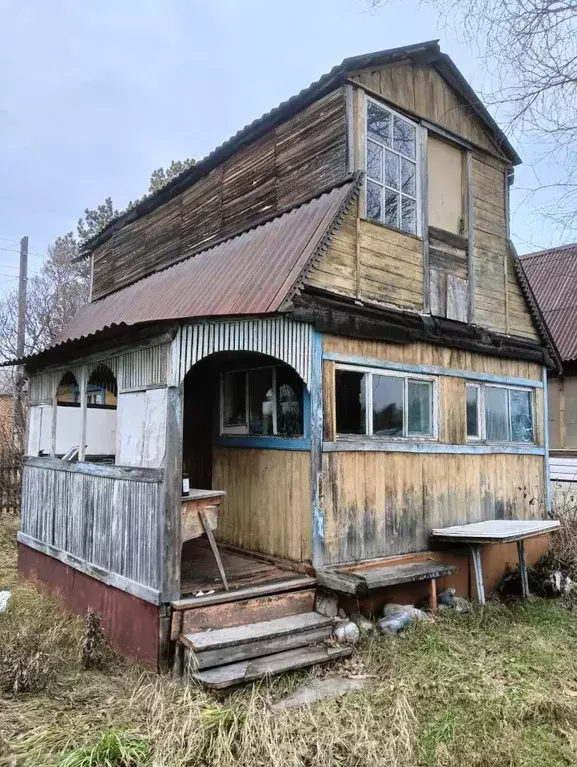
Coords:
391,163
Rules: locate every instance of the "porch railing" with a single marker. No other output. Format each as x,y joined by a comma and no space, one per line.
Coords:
102,520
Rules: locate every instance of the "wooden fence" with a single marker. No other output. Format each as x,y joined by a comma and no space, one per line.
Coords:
10,481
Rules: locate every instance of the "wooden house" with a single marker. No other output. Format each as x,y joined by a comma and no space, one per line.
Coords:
323,324
552,275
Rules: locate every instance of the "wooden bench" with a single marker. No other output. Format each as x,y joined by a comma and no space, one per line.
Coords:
360,582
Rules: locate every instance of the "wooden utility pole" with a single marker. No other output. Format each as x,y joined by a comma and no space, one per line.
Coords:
19,420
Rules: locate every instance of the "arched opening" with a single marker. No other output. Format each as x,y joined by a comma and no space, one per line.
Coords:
101,403
68,419
68,391
245,435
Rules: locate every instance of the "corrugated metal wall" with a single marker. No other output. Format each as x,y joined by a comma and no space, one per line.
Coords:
278,337
91,513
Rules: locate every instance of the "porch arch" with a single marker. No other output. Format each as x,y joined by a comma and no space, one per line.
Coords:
286,340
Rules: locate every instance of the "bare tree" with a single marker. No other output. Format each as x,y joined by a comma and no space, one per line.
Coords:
529,47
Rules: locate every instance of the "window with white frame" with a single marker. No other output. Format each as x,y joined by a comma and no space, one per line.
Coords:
384,404
498,413
266,401
391,168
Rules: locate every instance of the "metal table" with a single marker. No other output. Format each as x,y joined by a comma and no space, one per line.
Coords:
496,531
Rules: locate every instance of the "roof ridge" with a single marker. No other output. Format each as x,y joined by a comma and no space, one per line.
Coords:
544,252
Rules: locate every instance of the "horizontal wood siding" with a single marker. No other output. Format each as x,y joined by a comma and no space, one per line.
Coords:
422,91
288,165
104,516
268,503
383,504
428,354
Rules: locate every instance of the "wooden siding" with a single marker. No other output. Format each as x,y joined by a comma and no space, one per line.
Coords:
428,354
106,517
370,261
268,503
422,91
383,504
288,165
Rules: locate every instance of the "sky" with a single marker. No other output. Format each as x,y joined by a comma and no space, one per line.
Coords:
95,94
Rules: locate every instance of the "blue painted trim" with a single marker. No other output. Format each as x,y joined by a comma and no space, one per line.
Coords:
546,441
431,370
382,446
316,422
266,443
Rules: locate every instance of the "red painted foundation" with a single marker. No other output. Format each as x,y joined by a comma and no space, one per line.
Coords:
131,624
495,558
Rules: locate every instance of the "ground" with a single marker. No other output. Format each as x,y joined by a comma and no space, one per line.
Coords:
495,687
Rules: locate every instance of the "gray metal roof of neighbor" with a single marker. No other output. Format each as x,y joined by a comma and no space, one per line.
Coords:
552,275
427,52
256,272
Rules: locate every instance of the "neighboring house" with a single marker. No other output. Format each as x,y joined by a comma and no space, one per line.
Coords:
324,319
552,275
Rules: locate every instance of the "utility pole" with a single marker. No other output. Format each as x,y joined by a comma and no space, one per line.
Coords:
19,420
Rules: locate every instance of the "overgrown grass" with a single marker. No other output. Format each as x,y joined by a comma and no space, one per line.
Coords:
491,688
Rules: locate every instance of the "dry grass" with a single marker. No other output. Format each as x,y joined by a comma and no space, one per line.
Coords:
491,688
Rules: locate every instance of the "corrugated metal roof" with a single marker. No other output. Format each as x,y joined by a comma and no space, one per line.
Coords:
428,52
552,275
256,272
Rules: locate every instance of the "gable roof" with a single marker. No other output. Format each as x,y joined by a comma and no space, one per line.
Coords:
256,272
422,53
552,275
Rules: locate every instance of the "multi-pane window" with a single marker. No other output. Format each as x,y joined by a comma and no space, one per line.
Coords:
383,404
262,402
391,162
499,413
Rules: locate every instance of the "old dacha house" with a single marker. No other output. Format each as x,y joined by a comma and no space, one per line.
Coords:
323,328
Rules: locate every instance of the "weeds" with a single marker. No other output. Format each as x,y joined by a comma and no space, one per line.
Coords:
114,749
94,650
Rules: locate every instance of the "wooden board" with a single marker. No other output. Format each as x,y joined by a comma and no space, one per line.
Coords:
267,507
254,632
361,582
249,670
497,530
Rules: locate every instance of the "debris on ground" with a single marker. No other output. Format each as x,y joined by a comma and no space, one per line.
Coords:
397,617
347,631
4,599
449,600
341,613
365,624
544,581
319,689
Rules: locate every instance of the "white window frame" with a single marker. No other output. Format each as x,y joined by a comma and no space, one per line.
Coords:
417,161
244,429
433,437
478,437
482,412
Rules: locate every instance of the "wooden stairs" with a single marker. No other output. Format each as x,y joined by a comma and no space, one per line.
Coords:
247,636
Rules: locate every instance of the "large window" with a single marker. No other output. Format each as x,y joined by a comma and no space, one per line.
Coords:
391,163
262,402
499,413
384,404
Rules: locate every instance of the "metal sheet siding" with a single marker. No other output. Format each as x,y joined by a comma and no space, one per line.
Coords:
253,273
143,367
278,337
552,275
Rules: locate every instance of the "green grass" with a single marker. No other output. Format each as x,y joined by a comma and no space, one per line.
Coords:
493,688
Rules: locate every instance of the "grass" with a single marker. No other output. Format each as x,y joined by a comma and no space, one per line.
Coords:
495,687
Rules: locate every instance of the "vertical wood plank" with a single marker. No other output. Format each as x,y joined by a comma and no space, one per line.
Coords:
329,416
470,235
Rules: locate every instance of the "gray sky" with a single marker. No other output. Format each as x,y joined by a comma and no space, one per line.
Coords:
95,94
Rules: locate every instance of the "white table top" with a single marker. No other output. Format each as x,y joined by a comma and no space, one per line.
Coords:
496,530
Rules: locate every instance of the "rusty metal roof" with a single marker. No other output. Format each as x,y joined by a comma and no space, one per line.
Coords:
256,272
552,275
427,52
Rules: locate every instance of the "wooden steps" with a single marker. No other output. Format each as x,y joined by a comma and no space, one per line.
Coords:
229,656
361,581
249,670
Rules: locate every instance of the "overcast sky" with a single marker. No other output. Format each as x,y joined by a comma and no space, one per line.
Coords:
95,94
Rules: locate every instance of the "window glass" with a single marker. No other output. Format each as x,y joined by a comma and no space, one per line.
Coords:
261,402
391,208
235,399
289,396
404,137
374,201
408,215
350,396
379,123
496,414
419,407
392,172
473,411
388,406
408,177
521,416
374,161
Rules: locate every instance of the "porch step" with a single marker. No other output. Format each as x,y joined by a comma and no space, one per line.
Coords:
216,648
250,670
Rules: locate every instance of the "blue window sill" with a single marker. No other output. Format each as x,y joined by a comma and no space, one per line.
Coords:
265,443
